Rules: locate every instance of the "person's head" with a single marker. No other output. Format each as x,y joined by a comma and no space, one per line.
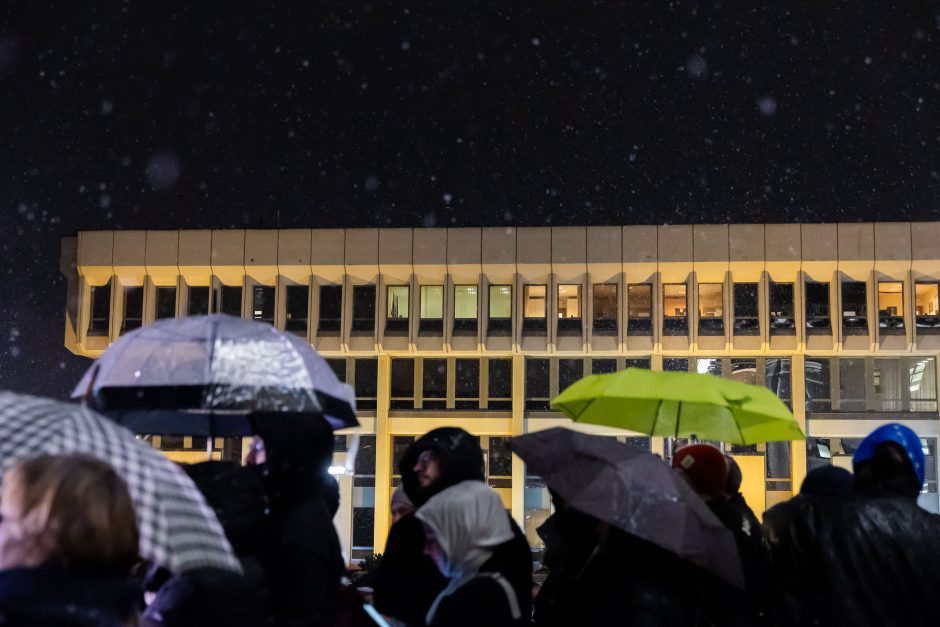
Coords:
891,461
440,459
400,505
733,482
462,526
297,450
827,481
73,509
704,468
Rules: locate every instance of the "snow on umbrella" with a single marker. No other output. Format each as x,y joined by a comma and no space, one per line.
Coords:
212,375
177,528
631,490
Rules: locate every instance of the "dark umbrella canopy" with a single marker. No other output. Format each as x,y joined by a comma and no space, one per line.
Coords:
205,375
631,490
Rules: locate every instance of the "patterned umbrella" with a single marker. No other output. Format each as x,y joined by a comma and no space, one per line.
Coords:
178,529
213,375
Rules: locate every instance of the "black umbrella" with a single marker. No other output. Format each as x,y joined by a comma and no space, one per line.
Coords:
631,490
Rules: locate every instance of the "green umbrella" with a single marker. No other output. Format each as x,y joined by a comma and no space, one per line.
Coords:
680,404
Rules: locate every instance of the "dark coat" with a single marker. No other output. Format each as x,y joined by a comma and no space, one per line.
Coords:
735,514
484,601
570,543
303,561
860,560
50,596
407,581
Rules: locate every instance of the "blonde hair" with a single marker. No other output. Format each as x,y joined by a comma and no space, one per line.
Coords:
73,508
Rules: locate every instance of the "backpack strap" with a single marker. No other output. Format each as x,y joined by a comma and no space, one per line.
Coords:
511,597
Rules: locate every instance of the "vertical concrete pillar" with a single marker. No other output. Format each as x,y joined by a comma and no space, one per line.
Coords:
383,455
657,445
798,400
518,428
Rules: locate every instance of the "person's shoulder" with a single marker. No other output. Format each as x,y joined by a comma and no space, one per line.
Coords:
483,591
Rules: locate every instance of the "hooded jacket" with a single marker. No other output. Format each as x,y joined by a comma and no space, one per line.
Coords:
304,561
407,581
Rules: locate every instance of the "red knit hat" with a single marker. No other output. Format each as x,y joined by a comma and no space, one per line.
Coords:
705,467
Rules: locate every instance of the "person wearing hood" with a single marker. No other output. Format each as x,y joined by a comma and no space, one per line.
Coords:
871,558
407,581
825,482
464,526
303,561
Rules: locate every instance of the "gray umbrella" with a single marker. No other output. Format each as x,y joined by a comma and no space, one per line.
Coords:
178,529
631,490
212,375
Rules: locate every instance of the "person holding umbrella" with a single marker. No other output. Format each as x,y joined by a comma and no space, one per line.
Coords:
68,541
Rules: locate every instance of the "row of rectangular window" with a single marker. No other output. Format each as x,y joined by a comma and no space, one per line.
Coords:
711,318
871,384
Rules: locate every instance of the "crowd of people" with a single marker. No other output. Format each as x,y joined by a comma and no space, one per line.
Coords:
848,550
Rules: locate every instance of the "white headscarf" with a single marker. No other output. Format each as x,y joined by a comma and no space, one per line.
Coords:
469,521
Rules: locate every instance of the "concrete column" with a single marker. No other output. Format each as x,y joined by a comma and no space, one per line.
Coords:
383,455
657,445
798,400
518,428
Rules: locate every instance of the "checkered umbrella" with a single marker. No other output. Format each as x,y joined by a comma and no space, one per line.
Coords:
178,529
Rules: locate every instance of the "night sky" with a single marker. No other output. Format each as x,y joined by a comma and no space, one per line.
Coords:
449,113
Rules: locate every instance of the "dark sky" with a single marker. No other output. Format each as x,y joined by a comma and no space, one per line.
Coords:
221,114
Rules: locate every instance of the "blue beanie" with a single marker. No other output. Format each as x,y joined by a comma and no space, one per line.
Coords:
899,434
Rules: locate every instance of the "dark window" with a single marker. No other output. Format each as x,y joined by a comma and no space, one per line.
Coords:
338,366
363,526
676,365
434,384
229,300
818,389
675,309
605,308
500,384
640,309
782,316
100,310
331,309
365,457
400,445
198,301
363,308
298,297
817,308
603,366
537,385
854,308
468,384
403,384
166,303
777,377
643,444
638,363
133,308
500,457
746,316
172,443
366,383
569,371
262,303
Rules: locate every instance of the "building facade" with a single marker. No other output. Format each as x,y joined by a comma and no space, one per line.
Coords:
481,327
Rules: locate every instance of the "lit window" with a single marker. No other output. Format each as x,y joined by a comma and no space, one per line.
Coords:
675,309
500,301
432,302
710,309
569,301
891,307
640,309
535,301
927,307
465,302
397,302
